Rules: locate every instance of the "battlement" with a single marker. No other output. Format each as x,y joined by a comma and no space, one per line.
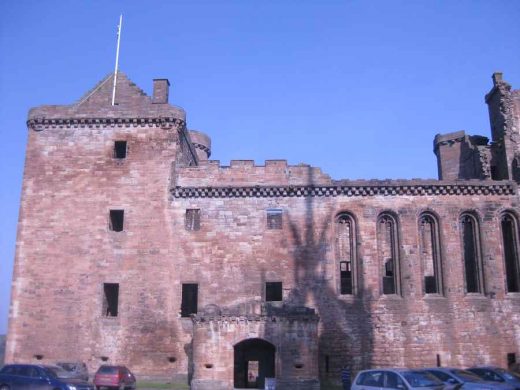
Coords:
245,172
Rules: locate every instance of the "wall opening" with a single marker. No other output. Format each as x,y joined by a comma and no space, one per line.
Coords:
388,249
110,299
120,149
254,360
510,245
346,253
273,291
430,254
190,293
192,219
471,251
274,218
116,222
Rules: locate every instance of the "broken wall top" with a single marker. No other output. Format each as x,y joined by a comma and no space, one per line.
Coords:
131,102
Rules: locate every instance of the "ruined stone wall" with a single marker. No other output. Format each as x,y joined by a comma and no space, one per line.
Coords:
234,254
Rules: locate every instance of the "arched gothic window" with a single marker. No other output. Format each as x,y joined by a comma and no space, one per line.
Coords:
388,248
472,254
509,226
430,254
346,253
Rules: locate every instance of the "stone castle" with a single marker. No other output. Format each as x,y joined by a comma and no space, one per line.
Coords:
134,248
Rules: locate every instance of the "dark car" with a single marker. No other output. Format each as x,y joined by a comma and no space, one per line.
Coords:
456,378
36,377
77,370
497,374
114,377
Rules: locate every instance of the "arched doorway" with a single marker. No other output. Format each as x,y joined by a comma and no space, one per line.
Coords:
254,361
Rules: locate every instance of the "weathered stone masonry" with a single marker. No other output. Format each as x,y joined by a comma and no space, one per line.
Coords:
223,276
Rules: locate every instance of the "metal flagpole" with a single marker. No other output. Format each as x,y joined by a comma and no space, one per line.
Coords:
117,58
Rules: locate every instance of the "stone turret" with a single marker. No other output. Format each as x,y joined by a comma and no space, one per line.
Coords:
202,144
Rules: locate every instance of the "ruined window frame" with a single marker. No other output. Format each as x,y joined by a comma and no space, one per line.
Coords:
433,220
513,249
388,217
274,218
469,217
346,218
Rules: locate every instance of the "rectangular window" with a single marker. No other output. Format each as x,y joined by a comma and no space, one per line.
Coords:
110,299
273,291
274,218
511,358
190,292
192,220
120,149
117,220
345,277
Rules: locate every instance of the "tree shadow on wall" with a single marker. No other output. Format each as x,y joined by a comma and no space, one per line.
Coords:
345,327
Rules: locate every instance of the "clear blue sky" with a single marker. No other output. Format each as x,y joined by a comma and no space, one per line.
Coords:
358,88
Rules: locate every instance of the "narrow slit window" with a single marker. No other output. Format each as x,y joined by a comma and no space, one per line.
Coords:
274,218
345,252
388,254
273,291
510,243
117,218
110,299
192,221
190,296
430,254
120,149
471,251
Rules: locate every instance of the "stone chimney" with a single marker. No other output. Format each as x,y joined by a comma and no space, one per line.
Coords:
161,90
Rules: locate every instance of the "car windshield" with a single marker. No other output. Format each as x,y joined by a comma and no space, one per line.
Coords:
56,372
508,374
67,366
420,379
466,376
107,370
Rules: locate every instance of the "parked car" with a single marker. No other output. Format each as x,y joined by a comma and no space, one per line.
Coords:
76,370
36,377
456,378
497,374
395,378
114,377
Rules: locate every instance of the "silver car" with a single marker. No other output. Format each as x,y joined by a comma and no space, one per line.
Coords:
395,378
456,378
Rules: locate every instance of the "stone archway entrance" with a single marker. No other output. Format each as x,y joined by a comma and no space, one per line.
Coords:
254,361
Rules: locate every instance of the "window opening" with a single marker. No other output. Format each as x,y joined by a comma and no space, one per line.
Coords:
510,243
273,291
192,221
274,218
190,292
511,358
388,254
345,252
472,266
117,220
430,254
120,149
110,299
